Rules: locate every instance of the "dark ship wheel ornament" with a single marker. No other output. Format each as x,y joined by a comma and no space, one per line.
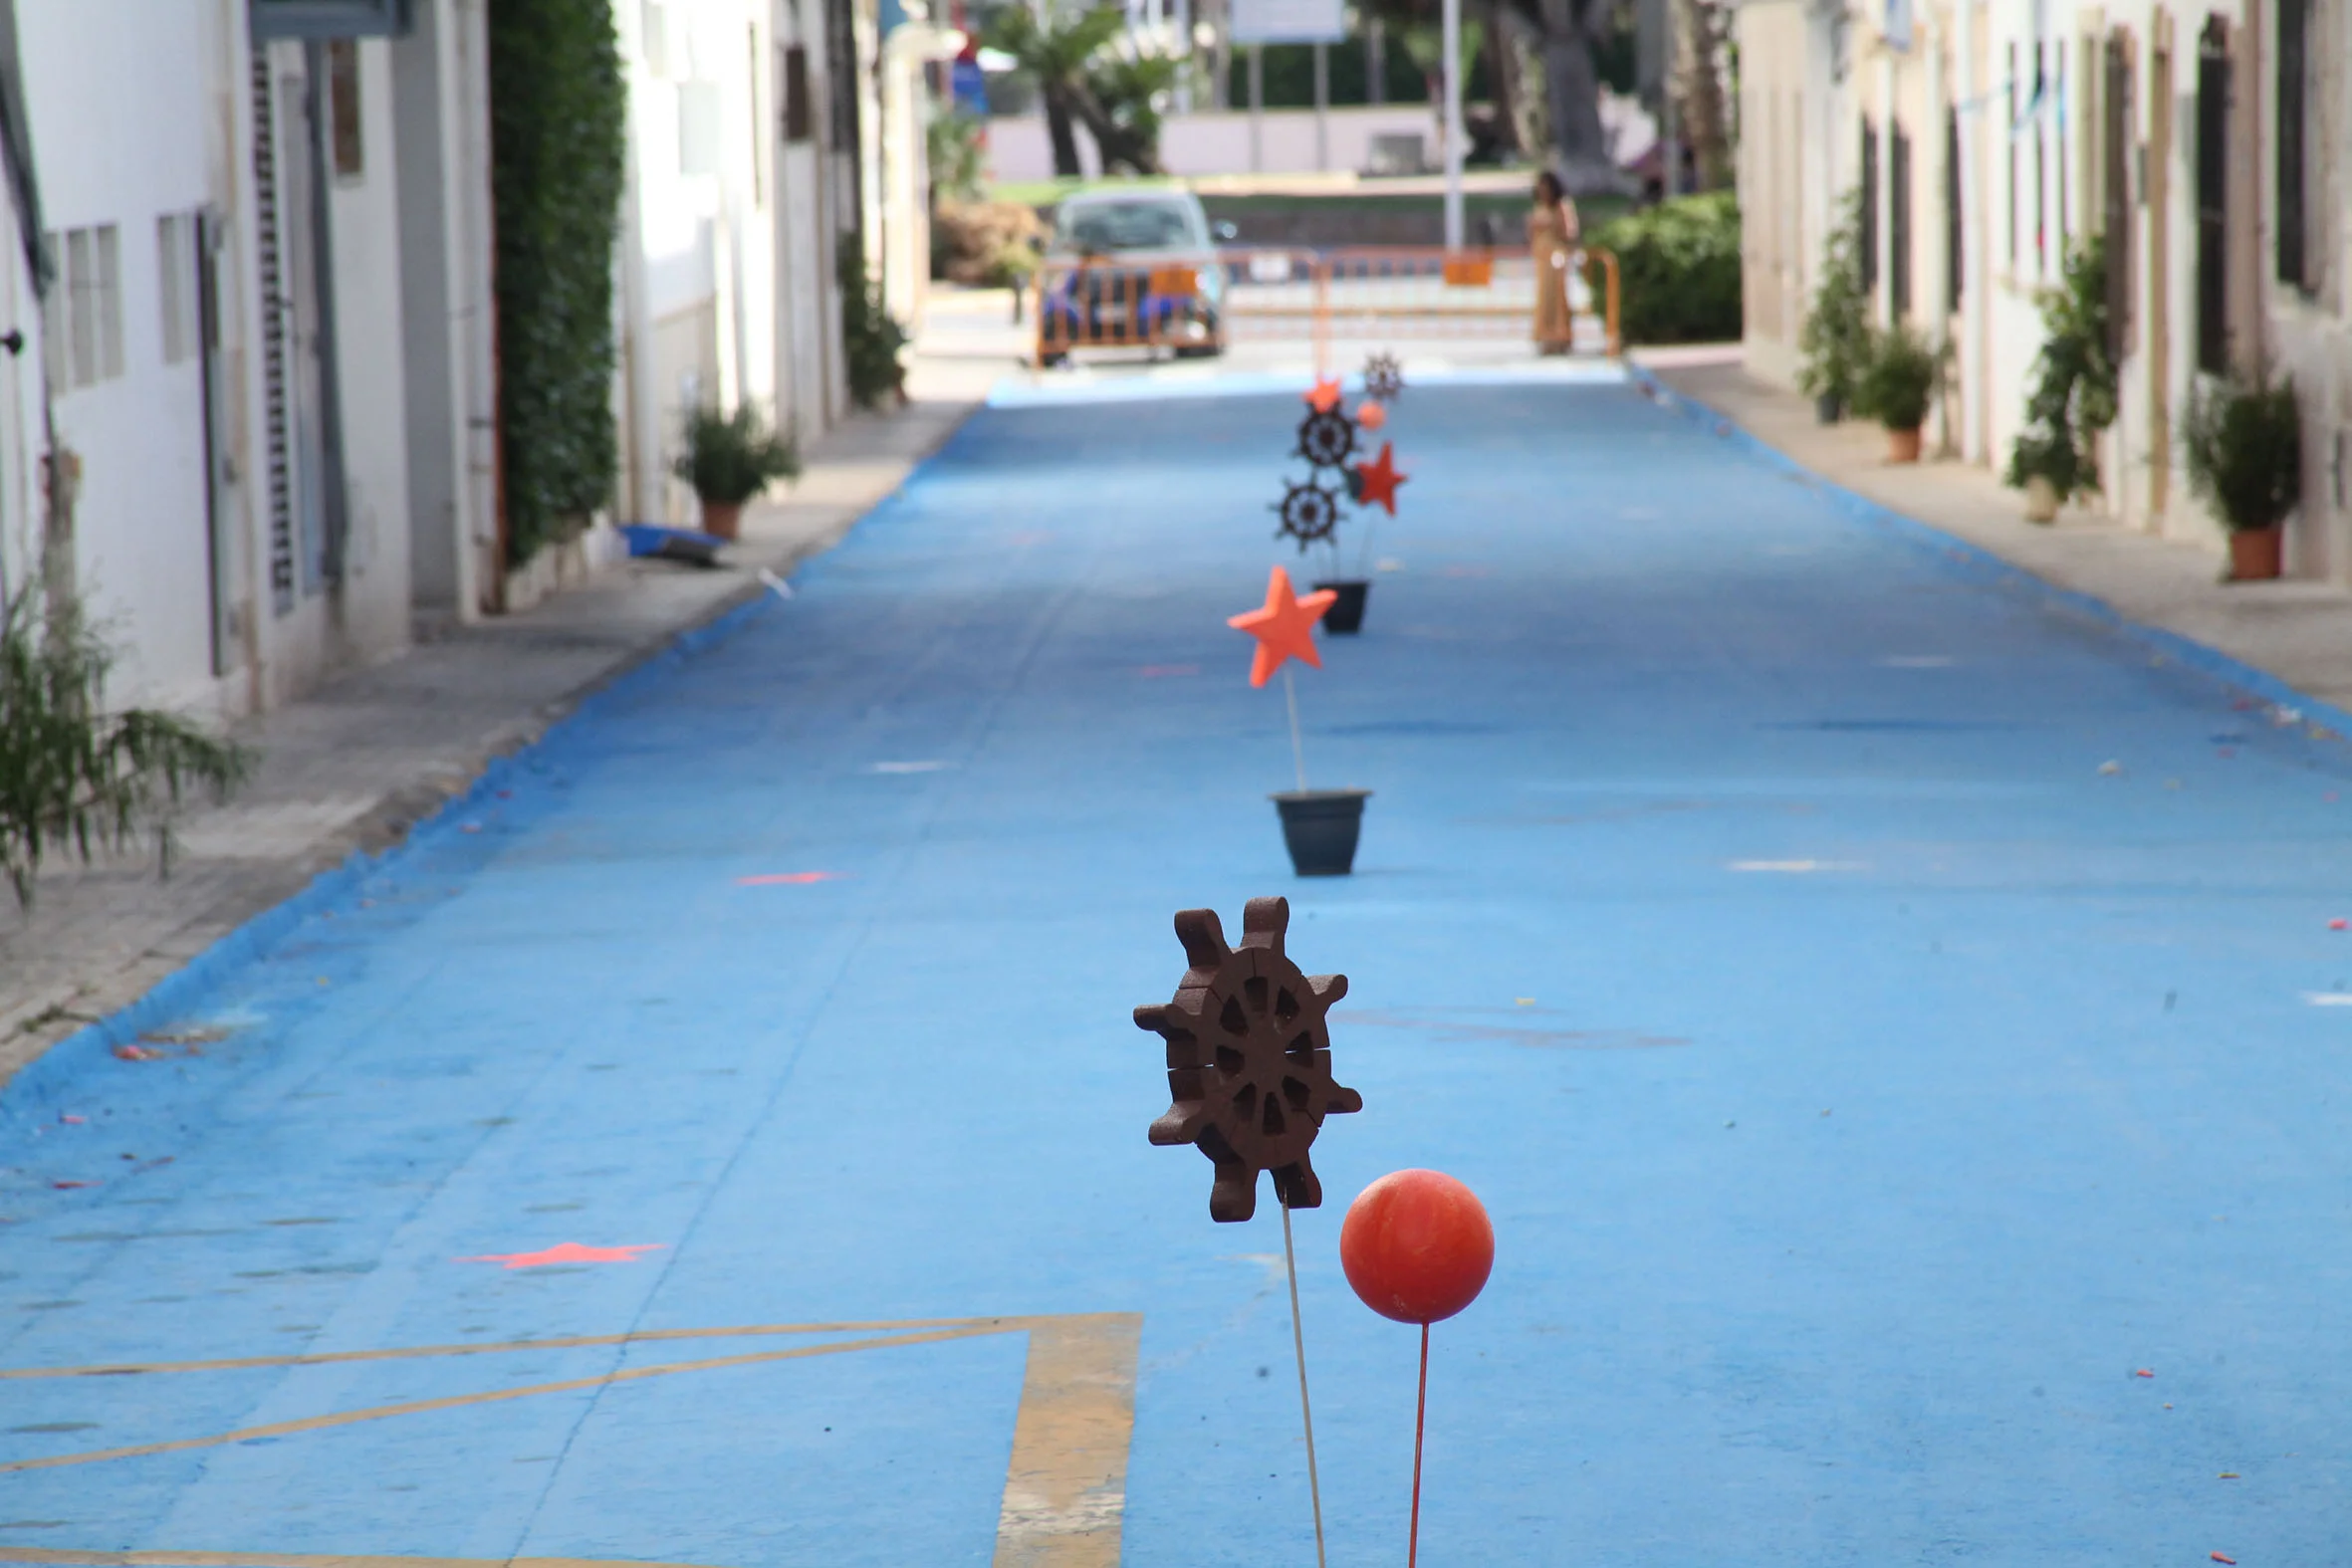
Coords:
1249,1059
1384,378
1327,438
1308,512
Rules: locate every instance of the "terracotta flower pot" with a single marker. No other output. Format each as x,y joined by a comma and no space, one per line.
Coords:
2254,553
1903,445
723,519
2041,500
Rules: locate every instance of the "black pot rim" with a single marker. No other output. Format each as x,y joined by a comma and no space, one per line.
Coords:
1284,797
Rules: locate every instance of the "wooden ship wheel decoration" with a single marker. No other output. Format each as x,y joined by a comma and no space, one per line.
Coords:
1384,378
1249,1059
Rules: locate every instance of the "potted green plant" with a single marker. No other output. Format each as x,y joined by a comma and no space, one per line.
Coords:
1835,334
2243,441
1898,382
730,458
2073,393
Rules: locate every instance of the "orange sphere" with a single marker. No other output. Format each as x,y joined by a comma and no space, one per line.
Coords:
1417,1247
1370,414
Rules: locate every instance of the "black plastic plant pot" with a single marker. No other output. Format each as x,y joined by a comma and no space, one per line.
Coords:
1346,614
1319,828
1829,409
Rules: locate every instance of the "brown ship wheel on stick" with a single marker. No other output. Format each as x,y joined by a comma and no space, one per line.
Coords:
1249,1059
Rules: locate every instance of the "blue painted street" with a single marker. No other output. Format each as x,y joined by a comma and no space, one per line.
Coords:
1892,1018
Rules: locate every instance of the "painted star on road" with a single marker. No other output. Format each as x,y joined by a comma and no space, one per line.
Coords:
567,1253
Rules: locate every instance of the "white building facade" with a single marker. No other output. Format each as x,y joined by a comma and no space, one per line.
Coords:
266,350
2210,144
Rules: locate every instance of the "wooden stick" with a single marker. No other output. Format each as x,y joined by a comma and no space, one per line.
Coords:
1315,1487
1420,1415
1298,759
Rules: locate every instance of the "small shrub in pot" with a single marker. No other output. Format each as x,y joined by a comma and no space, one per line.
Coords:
730,458
2243,441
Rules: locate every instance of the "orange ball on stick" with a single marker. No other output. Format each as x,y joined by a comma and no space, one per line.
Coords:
1417,1247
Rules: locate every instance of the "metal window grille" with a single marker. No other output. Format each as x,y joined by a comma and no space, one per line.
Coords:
270,262
2213,198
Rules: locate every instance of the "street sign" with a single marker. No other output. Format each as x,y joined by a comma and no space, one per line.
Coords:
1289,21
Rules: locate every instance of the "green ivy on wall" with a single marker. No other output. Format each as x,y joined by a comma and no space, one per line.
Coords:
558,107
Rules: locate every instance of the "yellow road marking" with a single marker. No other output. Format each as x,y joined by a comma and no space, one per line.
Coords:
1065,1489
420,1407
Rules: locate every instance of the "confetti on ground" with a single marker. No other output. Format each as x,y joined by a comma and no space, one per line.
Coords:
2111,768
137,1052
1156,672
788,879
2218,1557
2339,924
67,1187
2144,1373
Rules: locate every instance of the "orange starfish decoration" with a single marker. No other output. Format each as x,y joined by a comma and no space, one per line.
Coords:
1284,626
1325,395
1380,479
567,1253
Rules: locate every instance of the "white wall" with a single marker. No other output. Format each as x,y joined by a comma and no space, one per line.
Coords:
1219,142
120,116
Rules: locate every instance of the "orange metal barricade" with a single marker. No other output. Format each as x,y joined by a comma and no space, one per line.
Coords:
1428,291
1278,293
1099,304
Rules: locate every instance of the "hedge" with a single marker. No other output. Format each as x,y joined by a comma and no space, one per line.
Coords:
1679,264
558,103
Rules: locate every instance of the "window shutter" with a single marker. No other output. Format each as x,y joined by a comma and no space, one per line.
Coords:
2295,26
2117,109
1899,219
2212,197
1869,235
799,119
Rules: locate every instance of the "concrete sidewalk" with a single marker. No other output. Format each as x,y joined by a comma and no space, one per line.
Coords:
2298,631
354,765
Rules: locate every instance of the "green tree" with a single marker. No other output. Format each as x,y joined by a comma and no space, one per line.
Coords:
1835,334
1058,56
2073,393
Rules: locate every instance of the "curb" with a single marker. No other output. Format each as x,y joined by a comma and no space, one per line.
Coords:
2324,719
37,1087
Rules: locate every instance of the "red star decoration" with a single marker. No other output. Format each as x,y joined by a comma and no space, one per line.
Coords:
1283,628
567,1253
1370,414
1325,395
1380,479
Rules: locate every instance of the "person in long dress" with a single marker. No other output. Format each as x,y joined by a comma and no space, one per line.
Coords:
1552,233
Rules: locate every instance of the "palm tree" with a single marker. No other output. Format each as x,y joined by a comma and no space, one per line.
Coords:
1056,57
